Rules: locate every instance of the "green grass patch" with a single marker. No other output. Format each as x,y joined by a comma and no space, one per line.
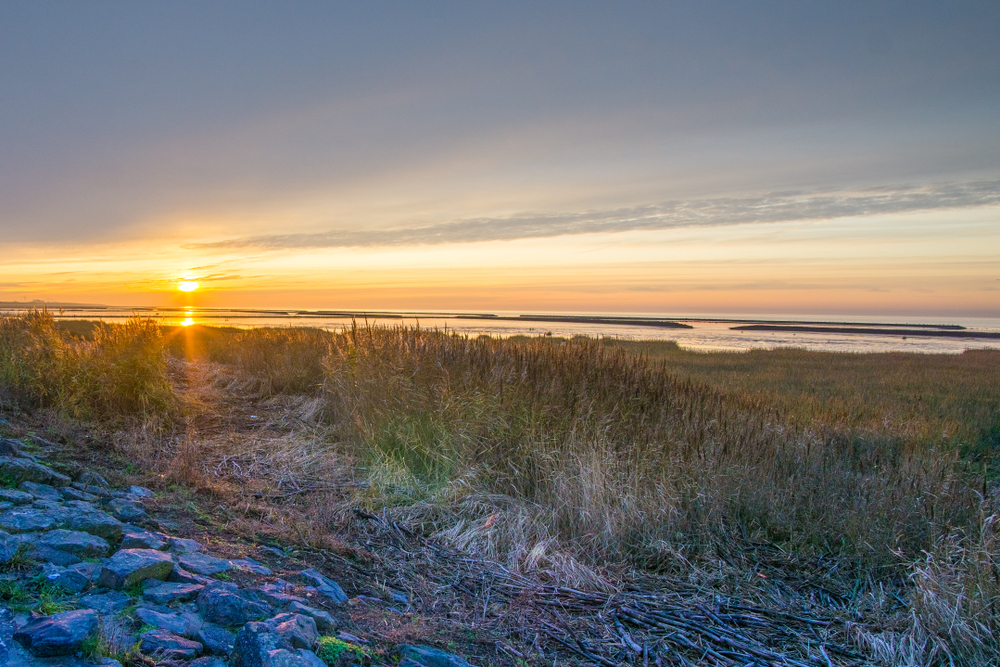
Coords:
331,649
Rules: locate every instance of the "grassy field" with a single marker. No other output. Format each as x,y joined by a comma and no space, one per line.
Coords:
584,462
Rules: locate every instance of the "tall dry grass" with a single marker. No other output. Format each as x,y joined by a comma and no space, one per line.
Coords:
120,372
616,458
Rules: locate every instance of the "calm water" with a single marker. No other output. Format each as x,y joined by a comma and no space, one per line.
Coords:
706,334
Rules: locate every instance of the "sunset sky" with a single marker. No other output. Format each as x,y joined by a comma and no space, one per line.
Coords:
798,157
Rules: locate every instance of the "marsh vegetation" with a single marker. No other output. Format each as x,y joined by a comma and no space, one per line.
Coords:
588,464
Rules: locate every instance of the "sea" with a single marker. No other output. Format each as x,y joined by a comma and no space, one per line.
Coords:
707,332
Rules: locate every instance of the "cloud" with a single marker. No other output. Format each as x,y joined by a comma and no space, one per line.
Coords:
768,208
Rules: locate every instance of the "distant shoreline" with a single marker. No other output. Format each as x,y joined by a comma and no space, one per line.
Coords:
936,333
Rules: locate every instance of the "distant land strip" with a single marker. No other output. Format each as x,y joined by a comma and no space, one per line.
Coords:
871,331
574,319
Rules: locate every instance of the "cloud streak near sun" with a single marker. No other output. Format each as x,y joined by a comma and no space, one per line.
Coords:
768,208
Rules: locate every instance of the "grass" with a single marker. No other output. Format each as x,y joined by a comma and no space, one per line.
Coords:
118,371
587,462
334,651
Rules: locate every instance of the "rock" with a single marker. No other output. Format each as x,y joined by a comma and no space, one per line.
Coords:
276,595
93,479
326,587
46,515
108,662
140,491
28,520
123,510
41,491
44,552
286,658
10,447
78,543
69,493
59,634
184,624
165,593
274,552
182,576
431,657
179,545
216,640
91,489
16,497
224,604
324,621
106,604
74,579
203,563
162,643
254,643
144,539
297,629
8,546
26,470
130,566
207,662
250,565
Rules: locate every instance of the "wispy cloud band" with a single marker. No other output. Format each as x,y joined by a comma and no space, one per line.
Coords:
769,208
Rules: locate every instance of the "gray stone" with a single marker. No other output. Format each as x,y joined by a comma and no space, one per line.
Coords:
48,554
431,657
250,565
285,658
324,621
41,491
108,662
93,479
180,545
8,546
145,539
29,519
276,595
78,543
91,489
10,447
165,593
26,470
49,516
16,497
163,643
59,634
182,576
217,641
123,510
5,506
106,604
184,624
140,491
130,566
207,662
223,603
69,493
297,629
68,580
97,523
203,563
325,586
254,643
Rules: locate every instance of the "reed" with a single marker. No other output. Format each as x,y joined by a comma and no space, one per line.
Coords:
119,372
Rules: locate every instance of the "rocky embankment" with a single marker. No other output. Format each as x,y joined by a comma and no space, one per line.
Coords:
87,578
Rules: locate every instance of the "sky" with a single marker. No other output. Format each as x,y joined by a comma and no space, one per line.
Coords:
667,157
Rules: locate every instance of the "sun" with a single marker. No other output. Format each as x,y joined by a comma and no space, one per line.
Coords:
187,286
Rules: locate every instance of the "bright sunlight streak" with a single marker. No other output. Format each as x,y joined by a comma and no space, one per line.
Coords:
188,322
187,286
